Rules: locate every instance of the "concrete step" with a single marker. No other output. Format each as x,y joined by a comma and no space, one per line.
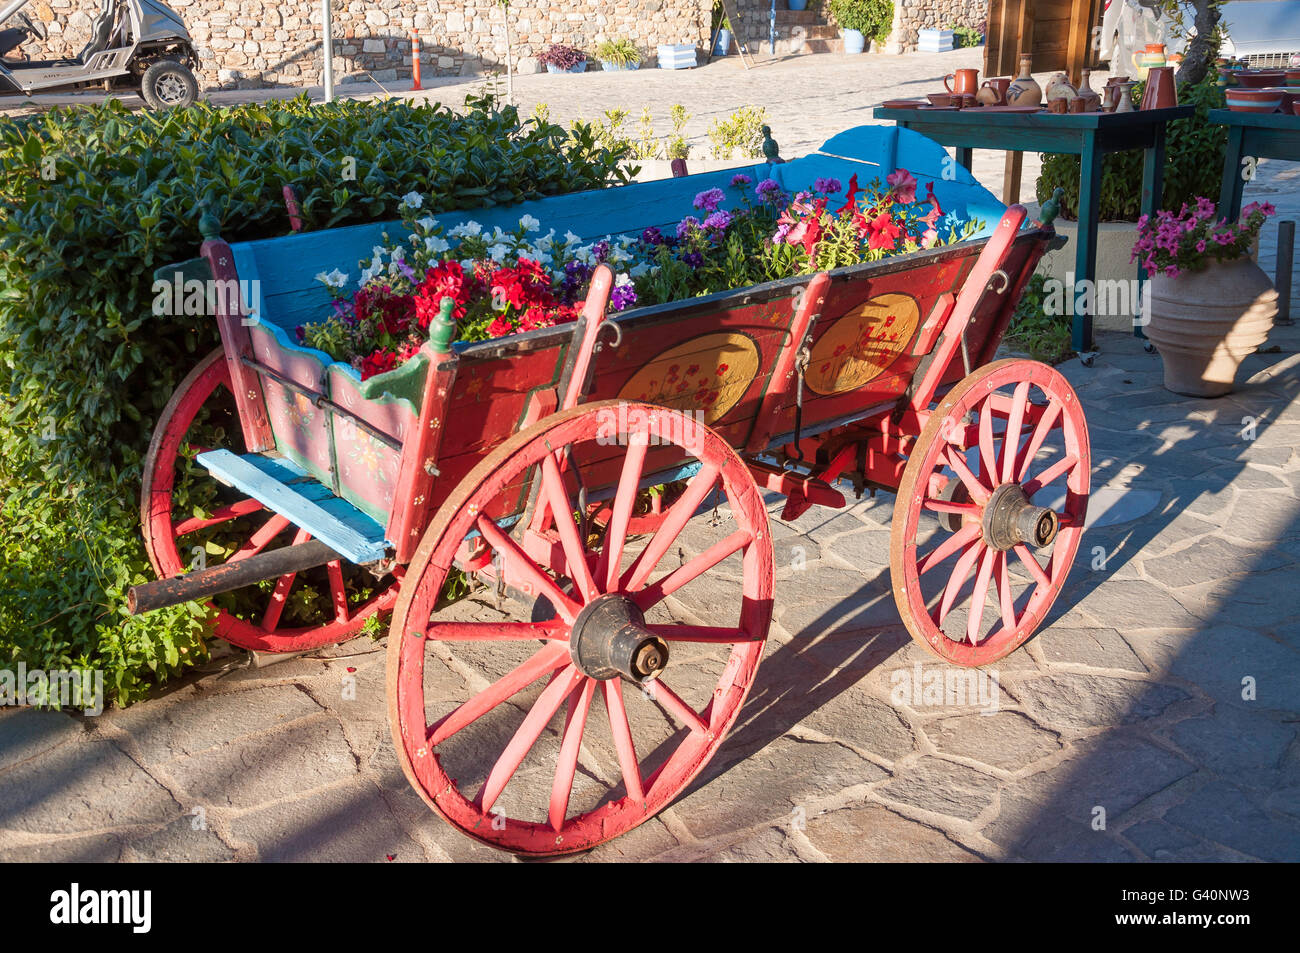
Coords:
804,17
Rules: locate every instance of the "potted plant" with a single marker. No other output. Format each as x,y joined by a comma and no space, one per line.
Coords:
563,59
618,54
860,19
722,30
1208,304
797,4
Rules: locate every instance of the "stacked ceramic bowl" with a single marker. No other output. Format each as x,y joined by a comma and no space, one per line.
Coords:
1243,99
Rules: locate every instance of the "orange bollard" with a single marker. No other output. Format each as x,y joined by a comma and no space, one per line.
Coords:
415,61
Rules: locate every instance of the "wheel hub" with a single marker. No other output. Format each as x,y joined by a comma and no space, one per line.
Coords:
1010,519
609,638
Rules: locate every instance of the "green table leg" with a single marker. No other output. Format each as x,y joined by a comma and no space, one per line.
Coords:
1153,186
1085,255
964,157
1233,183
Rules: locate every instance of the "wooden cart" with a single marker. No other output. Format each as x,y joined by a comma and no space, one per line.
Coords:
561,469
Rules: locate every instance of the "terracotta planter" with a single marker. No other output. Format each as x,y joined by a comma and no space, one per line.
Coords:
1205,323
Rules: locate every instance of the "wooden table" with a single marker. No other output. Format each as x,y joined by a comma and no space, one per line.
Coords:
1252,136
1088,135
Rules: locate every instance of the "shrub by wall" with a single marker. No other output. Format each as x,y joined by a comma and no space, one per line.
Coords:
92,201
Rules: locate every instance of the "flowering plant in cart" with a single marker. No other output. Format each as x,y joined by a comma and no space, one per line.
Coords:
506,282
1188,241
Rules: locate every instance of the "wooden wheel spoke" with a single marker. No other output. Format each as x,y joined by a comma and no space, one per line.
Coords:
1006,599
272,528
575,553
979,596
952,544
672,703
224,514
550,630
694,568
1032,564
1011,439
611,553
947,506
988,452
570,744
1056,470
977,490
280,597
338,591
621,729
1045,424
958,579
553,656
667,534
526,735
718,635
513,554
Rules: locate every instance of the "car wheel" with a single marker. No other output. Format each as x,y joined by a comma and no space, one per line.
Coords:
167,83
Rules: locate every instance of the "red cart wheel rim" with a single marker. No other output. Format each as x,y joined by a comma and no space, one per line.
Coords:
503,737
965,561
170,538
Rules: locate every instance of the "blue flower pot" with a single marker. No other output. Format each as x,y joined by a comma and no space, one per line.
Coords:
609,67
854,41
575,68
798,4
723,43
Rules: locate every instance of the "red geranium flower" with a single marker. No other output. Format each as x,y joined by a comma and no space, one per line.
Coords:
884,233
377,363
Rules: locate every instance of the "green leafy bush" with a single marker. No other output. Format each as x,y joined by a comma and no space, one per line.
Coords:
92,201
964,36
740,133
1193,163
620,52
871,18
1043,336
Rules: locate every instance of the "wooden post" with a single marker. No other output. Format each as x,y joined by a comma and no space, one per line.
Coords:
1011,178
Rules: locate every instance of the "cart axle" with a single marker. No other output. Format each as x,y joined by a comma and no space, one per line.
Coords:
609,638
229,576
1010,519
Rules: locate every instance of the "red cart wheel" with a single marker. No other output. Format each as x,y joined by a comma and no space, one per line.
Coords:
174,538
999,474
476,707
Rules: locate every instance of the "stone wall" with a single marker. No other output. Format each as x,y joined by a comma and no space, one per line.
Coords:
912,16
249,43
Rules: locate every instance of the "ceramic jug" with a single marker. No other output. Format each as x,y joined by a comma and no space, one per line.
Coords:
1149,58
1160,92
1024,91
1090,97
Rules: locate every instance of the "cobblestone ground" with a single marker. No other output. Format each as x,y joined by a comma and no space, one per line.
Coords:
1164,690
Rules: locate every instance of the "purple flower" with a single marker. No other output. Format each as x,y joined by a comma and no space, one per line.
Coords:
1171,271
407,271
685,225
720,220
693,258
767,187
827,186
740,180
623,296
709,200
601,251
652,236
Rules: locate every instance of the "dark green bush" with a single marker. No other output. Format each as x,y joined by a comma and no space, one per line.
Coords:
1193,163
92,201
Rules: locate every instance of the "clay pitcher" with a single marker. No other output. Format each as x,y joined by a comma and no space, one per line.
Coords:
965,82
1024,91
1160,91
1090,97
994,91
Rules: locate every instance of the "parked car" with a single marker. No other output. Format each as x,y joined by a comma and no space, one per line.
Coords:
138,45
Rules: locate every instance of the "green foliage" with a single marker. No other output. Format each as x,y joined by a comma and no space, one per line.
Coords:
741,132
1193,163
963,36
86,367
871,18
1043,336
620,52
649,146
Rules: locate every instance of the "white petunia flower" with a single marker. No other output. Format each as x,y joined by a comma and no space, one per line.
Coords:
571,238
335,279
427,223
528,223
467,265
639,270
498,252
413,200
621,280
436,245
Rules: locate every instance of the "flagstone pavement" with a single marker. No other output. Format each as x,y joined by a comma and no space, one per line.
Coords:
1154,718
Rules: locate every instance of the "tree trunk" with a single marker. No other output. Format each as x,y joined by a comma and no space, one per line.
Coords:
1203,48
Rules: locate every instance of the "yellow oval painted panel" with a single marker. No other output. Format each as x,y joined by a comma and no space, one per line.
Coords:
860,345
708,373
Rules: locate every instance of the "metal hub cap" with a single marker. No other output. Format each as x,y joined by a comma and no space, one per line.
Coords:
1010,519
609,638
171,89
